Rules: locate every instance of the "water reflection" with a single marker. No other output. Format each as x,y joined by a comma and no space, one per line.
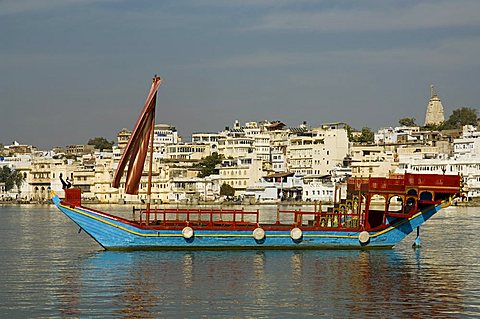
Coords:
188,270
271,283
69,294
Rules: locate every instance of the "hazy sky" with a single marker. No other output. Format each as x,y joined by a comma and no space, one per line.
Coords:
75,69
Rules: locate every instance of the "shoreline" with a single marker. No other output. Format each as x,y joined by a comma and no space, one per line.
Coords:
87,203
471,203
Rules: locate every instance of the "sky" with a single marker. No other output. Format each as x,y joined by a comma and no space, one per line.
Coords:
71,70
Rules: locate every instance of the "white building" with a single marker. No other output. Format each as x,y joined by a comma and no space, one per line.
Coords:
207,139
276,187
318,151
193,189
318,190
278,161
188,151
372,160
389,135
23,164
469,144
235,147
465,161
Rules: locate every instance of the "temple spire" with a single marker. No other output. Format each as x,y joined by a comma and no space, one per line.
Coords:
434,114
432,91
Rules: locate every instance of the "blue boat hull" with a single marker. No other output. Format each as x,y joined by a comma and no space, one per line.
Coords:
113,234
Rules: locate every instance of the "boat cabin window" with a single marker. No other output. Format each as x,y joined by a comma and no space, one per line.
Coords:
442,196
412,192
377,209
426,196
395,204
410,205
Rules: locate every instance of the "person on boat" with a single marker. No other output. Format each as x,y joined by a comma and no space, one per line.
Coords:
69,184
65,184
410,205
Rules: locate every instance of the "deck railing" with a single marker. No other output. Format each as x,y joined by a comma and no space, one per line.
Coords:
299,218
232,218
199,217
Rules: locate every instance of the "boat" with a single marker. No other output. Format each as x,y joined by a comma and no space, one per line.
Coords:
378,212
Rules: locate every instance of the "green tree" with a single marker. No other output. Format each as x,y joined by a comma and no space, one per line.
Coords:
460,117
367,136
5,173
227,190
100,143
435,127
207,165
18,180
407,121
349,132
11,178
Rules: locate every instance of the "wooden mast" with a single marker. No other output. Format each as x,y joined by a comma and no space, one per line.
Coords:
150,162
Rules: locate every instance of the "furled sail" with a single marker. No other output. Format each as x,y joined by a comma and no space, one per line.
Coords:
136,150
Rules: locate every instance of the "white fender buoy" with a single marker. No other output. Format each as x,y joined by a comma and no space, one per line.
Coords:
364,237
296,233
258,234
187,232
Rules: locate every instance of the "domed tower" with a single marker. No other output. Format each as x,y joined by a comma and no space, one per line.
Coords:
434,114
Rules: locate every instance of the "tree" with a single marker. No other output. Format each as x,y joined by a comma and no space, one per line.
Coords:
407,121
18,180
349,130
208,164
435,127
227,190
11,178
367,136
460,117
101,143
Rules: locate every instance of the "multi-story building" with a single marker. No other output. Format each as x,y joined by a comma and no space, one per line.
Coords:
160,187
164,135
318,151
193,189
17,148
188,151
318,189
84,178
235,146
104,170
278,161
401,134
468,144
122,138
21,163
372,160
465,162
205,138
275,187
240,173
45,175
261,140
79,149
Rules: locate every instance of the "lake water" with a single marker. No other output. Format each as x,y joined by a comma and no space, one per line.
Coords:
48,269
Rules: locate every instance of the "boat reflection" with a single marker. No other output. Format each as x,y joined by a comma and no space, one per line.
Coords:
263,283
